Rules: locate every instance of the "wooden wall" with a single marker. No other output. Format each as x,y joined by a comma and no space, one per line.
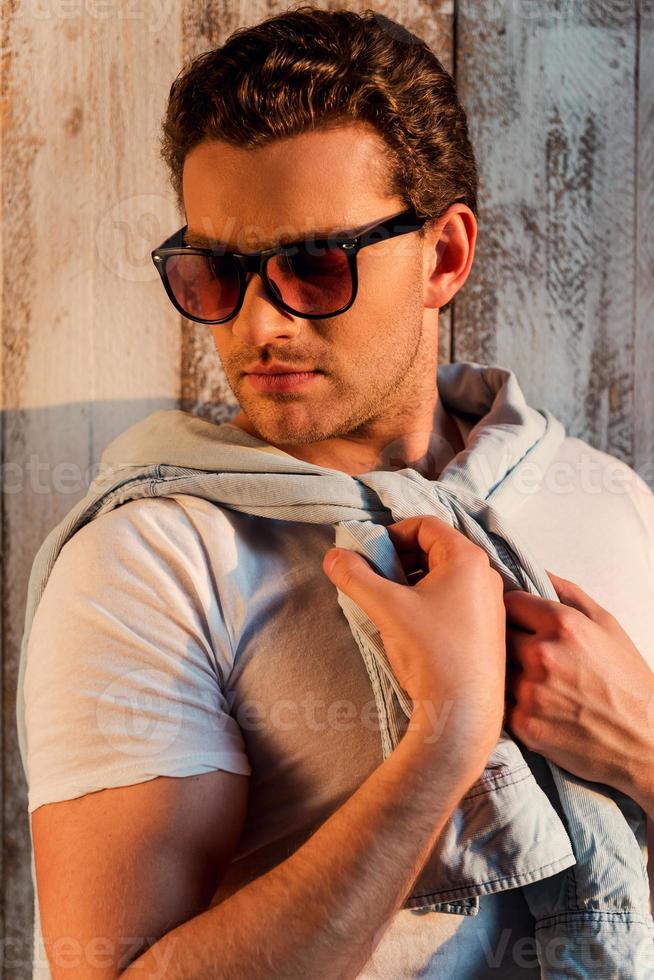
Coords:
560,98
559,95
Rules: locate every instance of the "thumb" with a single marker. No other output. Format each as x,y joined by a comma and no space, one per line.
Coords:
351,573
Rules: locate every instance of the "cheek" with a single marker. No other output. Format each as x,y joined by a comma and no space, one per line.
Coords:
222,339
378,276
390,287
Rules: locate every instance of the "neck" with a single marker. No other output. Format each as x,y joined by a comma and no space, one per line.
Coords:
426,442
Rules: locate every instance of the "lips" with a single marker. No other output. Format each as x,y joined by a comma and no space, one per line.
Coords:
283,381
282,369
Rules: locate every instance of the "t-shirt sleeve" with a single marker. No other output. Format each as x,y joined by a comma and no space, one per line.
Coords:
642,498
128,659
621,480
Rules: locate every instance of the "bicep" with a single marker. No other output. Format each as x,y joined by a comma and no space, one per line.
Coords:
119,868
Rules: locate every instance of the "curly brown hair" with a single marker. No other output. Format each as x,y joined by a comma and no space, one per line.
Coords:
310,68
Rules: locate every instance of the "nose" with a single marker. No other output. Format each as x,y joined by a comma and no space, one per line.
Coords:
259,321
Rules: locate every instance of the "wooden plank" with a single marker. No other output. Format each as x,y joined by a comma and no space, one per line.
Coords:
90,341
206,25
549,88
644,314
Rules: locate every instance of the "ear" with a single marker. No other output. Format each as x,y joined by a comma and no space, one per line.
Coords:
449,251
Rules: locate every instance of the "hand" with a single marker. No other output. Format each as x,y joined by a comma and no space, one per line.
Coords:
578,690
444,635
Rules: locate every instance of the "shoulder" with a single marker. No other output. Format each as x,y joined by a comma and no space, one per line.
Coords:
586,482
600,471
150,535
141,579
603,484
153,565
589,517
162,518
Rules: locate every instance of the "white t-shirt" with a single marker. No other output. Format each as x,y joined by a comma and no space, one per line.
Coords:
175,637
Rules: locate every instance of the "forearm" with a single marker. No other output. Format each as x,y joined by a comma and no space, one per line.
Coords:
322,912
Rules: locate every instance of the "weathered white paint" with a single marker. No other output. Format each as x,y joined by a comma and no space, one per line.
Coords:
550,90
88,346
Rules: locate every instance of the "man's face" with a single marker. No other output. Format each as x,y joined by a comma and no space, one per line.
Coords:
373,359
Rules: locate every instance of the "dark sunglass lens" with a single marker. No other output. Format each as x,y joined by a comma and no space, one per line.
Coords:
312,279
204,286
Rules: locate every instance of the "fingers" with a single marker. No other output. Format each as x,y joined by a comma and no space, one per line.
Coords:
426,541
353,575
571,594
530,613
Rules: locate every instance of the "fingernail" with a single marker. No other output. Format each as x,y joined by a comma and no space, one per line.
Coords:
330,560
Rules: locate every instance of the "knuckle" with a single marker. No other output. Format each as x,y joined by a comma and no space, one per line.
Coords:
566,623
533,731
606,619
527,727
474,554
528,696
525,644
536,700
480,553
346,576
543,656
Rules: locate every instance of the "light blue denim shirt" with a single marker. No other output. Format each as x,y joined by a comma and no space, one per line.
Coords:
577,850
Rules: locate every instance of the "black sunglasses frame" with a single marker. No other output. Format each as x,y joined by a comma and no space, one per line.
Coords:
350,242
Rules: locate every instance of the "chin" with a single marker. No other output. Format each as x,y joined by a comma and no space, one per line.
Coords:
281,431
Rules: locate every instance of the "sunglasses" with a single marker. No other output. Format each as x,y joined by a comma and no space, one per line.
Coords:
312,277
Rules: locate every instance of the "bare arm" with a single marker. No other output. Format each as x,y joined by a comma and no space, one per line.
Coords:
118,868
322,912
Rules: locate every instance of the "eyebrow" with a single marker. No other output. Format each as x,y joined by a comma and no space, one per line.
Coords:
206,241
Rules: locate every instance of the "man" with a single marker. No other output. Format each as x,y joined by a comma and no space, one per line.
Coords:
233,762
